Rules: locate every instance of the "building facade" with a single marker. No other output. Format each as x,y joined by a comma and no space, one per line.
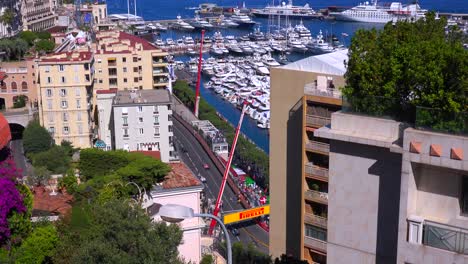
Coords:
303,96
124,61
65,90
20,81
38,15
10,29
104,100
142,121
180,187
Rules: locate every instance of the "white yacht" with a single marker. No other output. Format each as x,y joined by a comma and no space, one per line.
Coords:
200,23
284,9
182,25
296,45
242,19
160,27
189,41
303,32
320,45
371,12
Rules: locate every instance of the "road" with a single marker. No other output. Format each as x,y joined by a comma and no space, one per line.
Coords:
195,157
16,147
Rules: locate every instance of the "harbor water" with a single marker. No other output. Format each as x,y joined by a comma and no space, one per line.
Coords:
166,9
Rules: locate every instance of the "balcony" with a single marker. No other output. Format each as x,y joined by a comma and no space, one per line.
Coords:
316,172
318,147
316,196
317,121
112,63
317,244
445,237
315,220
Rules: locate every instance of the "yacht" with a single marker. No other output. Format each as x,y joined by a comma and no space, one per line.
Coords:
200,23
159,43
257,35
160,27
297,45
225,22
182,25
303,32
170,42
242,19
189,41
269,61
371,12
288,10
218,37
320,45
216,50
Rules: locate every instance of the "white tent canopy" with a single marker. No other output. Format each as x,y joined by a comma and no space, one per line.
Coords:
330,63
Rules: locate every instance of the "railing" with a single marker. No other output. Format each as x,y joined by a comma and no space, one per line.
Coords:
312,89
315,243
318,121
316,196
111,63
316,220
321,173
318,146
445,237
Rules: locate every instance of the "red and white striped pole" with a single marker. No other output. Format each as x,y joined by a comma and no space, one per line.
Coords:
226,171
197,89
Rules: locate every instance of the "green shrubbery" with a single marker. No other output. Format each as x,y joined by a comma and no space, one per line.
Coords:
246,154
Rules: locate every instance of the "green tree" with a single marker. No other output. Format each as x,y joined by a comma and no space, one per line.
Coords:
54,159
28,36
44,35
36,138
7,17
96,162
394,70
44,45
39,247
69,182
248,255
207,259
118,232
68,148
20,224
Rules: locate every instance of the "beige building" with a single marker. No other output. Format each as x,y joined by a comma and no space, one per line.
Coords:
20,80
38,15
303,96
124,61
65,90
398,192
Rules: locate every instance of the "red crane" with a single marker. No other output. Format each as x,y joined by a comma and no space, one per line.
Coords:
197,89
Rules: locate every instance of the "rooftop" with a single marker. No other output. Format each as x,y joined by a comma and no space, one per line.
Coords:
110,91
330,63
180,177
120,42
141,97
59,203
68,57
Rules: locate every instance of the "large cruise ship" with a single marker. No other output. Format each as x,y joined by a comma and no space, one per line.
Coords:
284,9
373,13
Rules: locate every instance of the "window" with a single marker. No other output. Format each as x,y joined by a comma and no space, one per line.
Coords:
112,72
156,131
47,68
135,69
77,91
78,103
49,92
141,131
49,80
140,109
135,59
24,86
155,109
80,129
3,86
170,139
124,69
66,129
464,198
124,111
63,79
169,118
65,117
78,116
50,117
100,80
125,132
14,87
315,232
156,120
135,79
125,120
61,68
77,79
51,129
170,128
125,80
113,81
63,92
64,104
124,59
140,119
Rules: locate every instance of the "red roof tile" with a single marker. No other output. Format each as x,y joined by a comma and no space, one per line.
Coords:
110,91
58,57
60,203
132,39
180,177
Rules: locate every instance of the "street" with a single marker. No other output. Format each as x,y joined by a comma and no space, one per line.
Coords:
16,147
195,157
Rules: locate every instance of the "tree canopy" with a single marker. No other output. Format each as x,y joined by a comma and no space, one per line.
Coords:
118,232
408,65
36,138
39,246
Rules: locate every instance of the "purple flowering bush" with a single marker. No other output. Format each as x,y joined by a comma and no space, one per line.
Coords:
10,201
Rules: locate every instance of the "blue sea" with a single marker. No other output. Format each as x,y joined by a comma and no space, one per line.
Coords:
169,9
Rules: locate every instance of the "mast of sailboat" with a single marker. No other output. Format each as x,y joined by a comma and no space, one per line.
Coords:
134,3
128,9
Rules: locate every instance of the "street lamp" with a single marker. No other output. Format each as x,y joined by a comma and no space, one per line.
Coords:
175,213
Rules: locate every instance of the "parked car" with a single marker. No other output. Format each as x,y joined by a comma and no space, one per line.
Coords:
235,232
206,166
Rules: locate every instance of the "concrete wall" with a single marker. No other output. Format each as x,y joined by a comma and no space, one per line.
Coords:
287,88
104,108
135,139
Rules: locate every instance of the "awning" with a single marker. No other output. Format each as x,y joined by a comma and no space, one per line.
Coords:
100,144
5,133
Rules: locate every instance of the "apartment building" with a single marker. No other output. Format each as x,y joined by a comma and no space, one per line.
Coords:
19,81
180,187
398,191
303,96
38,15
104,99
142,121
124,61
65,87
